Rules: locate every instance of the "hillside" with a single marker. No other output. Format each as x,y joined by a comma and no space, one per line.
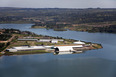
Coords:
61,18
76,16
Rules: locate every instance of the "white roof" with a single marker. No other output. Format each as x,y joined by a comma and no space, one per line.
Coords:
51,40
79,42
54,40
45,40
25,48
12,50
67,48
62,53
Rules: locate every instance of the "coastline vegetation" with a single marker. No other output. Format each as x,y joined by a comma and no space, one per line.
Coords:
107,29
85,28
97,46
3,46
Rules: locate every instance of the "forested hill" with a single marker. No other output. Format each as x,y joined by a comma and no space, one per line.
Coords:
88,19
76,16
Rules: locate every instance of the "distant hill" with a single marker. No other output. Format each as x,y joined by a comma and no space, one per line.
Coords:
61,18
77,16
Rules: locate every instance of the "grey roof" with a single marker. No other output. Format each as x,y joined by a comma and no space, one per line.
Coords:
28,39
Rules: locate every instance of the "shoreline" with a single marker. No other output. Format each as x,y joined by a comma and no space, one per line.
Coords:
75,29
63,29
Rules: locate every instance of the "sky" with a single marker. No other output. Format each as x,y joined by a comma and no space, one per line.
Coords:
59,3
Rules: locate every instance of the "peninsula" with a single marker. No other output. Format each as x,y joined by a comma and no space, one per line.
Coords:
16,42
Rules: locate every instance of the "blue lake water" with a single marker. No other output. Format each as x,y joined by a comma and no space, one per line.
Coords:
93,63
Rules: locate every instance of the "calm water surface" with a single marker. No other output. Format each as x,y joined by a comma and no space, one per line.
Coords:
93,63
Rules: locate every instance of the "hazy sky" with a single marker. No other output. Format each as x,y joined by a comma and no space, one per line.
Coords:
59,3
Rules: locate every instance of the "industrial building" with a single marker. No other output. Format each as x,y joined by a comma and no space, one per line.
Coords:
42,40
67,48
50,40
28,48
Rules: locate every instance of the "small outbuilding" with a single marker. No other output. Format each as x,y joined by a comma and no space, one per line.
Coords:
54,41
44,40
79,42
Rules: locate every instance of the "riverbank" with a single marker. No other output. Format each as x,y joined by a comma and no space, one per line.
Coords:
102,28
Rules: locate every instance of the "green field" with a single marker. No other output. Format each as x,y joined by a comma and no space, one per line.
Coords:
25,52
